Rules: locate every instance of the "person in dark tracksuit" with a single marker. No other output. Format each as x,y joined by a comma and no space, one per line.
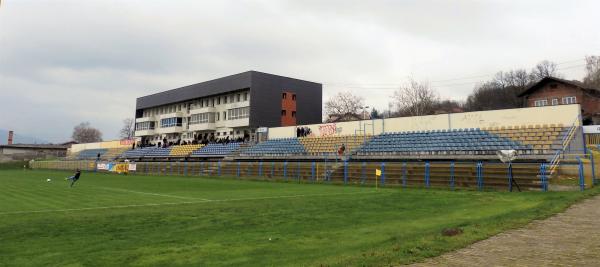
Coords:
74,178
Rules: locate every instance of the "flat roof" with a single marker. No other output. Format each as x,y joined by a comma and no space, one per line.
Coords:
222,85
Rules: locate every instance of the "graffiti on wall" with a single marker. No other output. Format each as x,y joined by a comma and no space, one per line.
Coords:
329,129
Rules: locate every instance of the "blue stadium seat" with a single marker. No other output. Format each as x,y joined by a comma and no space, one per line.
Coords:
467,141
277,147
216,150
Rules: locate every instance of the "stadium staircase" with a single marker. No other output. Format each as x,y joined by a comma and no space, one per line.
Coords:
559,156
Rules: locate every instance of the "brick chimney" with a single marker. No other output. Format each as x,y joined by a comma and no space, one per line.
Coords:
10,137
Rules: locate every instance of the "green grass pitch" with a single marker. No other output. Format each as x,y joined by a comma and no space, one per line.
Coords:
117,220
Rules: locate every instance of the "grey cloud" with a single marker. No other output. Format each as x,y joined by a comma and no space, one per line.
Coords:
73,61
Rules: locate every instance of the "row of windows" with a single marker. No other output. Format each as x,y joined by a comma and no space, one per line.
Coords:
239,113
170,122
147,125
211,117
233,98
565,101
207,102
202,118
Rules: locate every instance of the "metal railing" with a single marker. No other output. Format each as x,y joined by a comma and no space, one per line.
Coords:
565,142
450,174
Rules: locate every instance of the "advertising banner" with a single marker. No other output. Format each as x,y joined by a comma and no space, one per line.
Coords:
591,129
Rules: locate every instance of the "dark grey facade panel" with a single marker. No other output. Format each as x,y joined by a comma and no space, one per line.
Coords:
266,95
213,87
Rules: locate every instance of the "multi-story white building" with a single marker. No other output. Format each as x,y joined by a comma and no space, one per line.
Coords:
231,107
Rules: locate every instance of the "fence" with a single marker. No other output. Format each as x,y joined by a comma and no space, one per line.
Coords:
584,165
476,175
86,165
592,139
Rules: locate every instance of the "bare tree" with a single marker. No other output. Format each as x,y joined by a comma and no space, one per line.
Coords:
84,133
448,106
343,103
501,92
592,68
544,69
127,132
415,99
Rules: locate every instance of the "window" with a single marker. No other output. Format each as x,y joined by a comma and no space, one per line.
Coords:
218,115
237,132
237,97
142,126
225,100
293,114
170,122
283,112
202,118
284,95
569,100
540,103
238,113
213,102
224,115
231,132
231,98
218,100
554,101
293,96
218,133
224,133
245,96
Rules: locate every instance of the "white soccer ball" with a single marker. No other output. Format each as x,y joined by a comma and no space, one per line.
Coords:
48,180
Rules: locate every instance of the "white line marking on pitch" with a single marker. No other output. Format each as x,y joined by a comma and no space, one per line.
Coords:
179,203
149,193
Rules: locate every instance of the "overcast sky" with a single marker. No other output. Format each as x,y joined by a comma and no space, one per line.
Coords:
64,62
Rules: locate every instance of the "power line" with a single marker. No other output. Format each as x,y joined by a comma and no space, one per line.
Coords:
394,86
437,83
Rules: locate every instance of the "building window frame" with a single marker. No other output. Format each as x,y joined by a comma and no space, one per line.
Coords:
569,100
540,102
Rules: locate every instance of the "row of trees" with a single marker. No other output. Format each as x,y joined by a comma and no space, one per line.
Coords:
419,98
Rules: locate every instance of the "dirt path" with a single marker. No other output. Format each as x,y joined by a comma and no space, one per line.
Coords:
571,238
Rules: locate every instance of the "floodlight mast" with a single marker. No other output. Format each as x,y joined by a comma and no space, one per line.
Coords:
508,156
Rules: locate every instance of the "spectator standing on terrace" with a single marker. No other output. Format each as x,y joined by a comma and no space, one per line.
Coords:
341,150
